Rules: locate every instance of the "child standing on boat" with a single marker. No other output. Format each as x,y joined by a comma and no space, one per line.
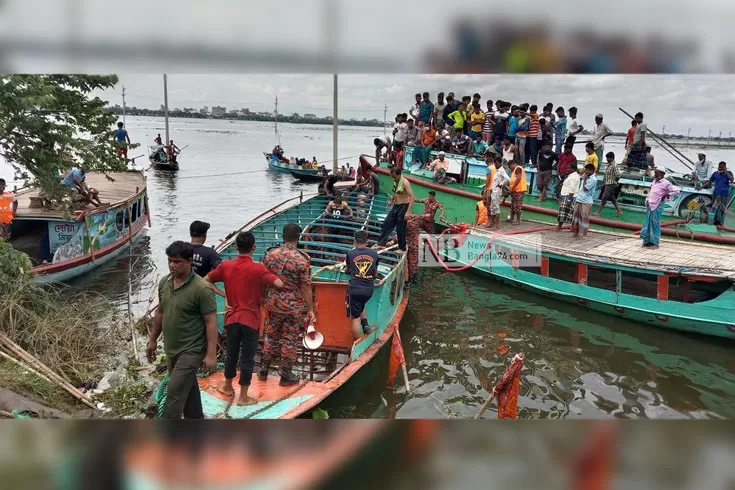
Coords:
583,205
362,266
661,189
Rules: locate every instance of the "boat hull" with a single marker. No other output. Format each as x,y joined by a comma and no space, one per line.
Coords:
277,165
712,317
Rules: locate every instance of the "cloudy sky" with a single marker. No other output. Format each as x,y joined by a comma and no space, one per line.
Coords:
699,102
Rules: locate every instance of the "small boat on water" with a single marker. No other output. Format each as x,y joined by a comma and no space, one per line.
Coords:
309,177
460,198
681,286
159,160
285,167
339,358
62,247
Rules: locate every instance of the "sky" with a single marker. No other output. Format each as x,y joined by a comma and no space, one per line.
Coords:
680,102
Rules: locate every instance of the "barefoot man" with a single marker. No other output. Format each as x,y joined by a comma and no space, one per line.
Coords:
362,266
286,307
187,316
245,283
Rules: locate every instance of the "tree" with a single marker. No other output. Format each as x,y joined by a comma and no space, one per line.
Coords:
50,123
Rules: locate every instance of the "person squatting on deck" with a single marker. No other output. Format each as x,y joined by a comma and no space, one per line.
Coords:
414,224
75,179
286,306
400,204
362,266
722,180
205,258
8,210
337,210
518,187
661,189
187,317
245,284
583,204
568,192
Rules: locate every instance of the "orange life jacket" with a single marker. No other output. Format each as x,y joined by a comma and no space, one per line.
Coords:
518,184
6,208
481,213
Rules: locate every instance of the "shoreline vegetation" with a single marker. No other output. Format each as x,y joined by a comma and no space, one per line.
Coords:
681,139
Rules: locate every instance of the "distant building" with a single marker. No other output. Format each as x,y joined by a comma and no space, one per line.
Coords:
309,116
219,110
245,111
204,111
189,110
163,107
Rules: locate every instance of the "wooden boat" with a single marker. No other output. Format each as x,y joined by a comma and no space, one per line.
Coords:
681,286
62,247
278,165
171,166
460,199
339,358
309,177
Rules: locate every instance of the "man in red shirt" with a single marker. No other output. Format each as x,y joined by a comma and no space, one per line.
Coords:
286,307
245,282
565,159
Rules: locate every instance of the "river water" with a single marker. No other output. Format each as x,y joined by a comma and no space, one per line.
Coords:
460,329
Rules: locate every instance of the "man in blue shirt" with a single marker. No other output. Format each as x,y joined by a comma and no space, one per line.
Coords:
75,178
426,109
121,137
560,129
479,147
362,265
583,204
721,179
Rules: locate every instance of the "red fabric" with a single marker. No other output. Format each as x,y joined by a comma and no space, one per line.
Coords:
397,359
564,160
506,390
592,467
245,281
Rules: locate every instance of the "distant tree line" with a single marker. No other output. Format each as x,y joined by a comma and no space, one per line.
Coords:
294,118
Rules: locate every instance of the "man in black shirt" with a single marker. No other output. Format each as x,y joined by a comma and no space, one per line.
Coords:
546,161
205,258
362,265
328,186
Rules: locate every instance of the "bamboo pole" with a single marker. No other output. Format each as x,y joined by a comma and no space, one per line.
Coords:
22,365
485,405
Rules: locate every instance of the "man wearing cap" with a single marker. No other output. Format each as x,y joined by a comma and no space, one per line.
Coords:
601,132
286,306
8,209
362,266
205,258
440,167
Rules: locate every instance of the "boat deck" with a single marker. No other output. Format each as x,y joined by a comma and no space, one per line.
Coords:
123,187
619,249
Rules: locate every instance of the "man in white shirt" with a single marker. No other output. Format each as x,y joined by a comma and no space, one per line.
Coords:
574,127
568,192
601,132
400,129
702,169
383,142
414,110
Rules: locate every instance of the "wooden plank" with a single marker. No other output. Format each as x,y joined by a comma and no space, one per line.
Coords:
582,274
544,266
662,287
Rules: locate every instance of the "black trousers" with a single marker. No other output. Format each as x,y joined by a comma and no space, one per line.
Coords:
182,390
242,342
395,219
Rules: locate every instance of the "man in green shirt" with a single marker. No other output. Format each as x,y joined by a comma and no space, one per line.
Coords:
187,316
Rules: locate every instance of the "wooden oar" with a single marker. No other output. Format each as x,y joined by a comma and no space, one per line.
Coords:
666,145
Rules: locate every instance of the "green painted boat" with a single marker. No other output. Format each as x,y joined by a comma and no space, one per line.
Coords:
460,199
680,286
339,358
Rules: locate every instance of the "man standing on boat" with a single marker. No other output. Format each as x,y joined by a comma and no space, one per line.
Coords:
568,189
574,127
602,131
400,204
205,258
245,283
8,210
362,266
637,152
610,185
722,180
583,205
518,187
500,180
560,129
187,316
159,140
661,189
383,142
437,115
546,162
286,306
121,137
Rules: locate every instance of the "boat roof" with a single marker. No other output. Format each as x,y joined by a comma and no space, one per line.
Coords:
122,187
617,249
324,239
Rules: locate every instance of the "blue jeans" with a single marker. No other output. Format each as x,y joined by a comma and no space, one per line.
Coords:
521,145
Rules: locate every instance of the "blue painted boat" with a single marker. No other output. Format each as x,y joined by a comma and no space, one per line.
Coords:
277,165
339,358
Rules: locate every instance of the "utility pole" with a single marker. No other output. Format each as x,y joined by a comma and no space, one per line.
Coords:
385,118
663,131
276,116
165,106
335,126
709,137
123,94
689,132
